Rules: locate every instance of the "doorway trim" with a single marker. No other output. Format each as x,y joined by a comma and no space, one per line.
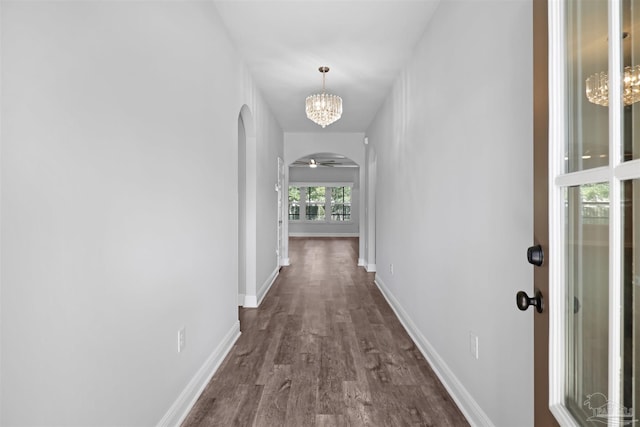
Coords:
247,220
283,202
370,209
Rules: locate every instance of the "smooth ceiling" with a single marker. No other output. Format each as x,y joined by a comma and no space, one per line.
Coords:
365,43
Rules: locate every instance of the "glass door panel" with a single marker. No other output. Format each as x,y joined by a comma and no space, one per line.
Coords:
631,63
587,249
594,237
630,197
631,289
587,145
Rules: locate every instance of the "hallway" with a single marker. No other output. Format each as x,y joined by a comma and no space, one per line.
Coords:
324,349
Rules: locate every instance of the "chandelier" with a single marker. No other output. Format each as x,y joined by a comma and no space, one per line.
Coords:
324,108
597,87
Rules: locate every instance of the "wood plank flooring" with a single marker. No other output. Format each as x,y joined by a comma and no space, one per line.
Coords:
324,349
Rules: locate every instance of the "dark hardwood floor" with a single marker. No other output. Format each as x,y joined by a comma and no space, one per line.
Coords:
324,349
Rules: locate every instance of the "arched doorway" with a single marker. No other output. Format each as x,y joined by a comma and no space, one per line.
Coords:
246,209
325,197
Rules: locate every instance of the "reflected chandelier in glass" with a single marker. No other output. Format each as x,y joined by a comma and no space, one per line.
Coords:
597,87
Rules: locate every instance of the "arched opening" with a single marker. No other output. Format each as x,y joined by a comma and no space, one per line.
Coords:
246,209
324,160
324,196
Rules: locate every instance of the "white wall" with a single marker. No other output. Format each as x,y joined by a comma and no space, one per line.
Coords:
270,146
454,202
349,144
119,207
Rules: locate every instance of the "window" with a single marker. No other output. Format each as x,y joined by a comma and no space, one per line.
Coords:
294,203
340,203
316,197
594,199
320,203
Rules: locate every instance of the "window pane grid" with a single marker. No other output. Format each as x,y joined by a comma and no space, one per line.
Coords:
294,203
315,203
320,203
341,203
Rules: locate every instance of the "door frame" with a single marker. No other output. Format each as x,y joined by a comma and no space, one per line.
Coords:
542,414
282,191
370,208
614,174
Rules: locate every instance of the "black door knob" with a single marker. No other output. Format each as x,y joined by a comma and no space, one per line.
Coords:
524,301
535,255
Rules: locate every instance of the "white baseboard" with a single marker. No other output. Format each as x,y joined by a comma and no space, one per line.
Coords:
185,401
267,285
250,301
241,299
371,268
324,234
285,262
361,262
253,301
467,404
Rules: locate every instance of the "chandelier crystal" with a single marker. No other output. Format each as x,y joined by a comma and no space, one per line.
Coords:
324,108
597,87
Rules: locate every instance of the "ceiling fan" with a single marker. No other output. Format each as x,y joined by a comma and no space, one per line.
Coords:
313,163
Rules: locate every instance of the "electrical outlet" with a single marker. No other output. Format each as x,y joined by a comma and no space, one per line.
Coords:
473,345
182,339
391,268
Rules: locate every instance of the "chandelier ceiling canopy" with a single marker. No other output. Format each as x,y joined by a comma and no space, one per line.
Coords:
324,108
